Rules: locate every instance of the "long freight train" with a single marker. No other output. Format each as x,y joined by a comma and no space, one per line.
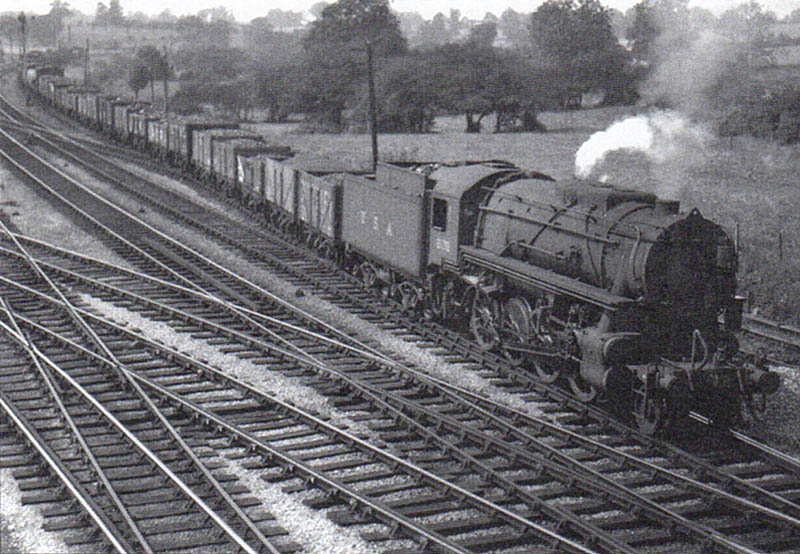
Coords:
614,291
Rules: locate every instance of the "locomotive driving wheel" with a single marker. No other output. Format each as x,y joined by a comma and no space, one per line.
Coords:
483,321
517,327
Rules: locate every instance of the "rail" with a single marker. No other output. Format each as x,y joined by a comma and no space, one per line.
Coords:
788,335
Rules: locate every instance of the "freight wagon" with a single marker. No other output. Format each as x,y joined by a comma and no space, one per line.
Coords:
230,165
158,137
223,156
138,125
87,106
203,146
109,113
181,140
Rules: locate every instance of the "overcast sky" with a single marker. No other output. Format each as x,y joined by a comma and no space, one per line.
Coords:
245,10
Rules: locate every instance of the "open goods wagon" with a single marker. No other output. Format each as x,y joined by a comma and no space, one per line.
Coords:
122,118
181,139
46,86
318,183
158,136
250,174
139,123
203,145
87,106
107,111
59,90
226,151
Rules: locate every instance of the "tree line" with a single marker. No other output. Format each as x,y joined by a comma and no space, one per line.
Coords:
512,66
321,70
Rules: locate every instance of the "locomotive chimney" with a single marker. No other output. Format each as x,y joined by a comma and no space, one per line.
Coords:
666,207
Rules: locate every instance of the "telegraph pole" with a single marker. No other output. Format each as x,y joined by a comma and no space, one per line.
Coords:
21,18
86,64
166,77
373,111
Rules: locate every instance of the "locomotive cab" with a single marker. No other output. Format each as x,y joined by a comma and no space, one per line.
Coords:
455,201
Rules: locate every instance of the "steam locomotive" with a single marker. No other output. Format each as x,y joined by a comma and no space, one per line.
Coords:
614,291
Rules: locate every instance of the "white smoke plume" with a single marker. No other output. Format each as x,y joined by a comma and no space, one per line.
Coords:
661,136
689,68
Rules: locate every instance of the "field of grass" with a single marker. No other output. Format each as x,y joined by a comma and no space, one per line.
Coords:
743,181
551,152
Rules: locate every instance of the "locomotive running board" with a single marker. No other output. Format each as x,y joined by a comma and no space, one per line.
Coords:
528,275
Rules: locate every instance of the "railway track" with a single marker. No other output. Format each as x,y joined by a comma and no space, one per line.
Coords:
241,414
142,484
427,448
471,425
468,431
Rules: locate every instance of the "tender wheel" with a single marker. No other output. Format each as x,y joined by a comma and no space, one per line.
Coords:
409,297
483,322
325,249
368,274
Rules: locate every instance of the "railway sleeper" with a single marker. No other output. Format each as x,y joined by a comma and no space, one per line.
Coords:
508,539
182,542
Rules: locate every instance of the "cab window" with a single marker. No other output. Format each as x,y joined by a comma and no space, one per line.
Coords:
439,218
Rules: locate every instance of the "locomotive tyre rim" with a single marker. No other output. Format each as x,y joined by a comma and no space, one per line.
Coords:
581,389
654,417
547,371
482,322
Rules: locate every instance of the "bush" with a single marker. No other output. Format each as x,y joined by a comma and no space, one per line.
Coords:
788,130
764,114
